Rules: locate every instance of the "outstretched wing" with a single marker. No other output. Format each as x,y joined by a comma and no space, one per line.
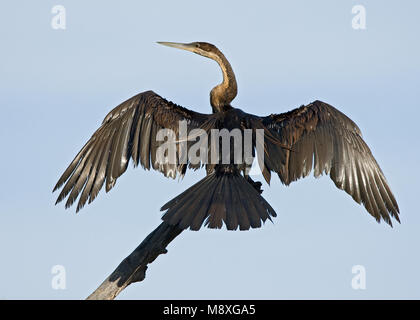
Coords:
319,136
127,131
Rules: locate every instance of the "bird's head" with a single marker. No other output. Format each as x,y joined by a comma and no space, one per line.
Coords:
221,95
202,48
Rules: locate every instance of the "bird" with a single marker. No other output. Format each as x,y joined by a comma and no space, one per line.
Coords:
314,137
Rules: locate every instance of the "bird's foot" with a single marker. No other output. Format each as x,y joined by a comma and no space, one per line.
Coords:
256,184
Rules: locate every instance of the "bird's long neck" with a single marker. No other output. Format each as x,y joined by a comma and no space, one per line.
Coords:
222,95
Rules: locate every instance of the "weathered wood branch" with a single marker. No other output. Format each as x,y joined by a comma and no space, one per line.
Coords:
133,268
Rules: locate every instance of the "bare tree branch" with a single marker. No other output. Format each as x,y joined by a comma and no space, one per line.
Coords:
133,268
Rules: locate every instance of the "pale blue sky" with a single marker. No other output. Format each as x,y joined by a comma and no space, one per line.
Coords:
57,85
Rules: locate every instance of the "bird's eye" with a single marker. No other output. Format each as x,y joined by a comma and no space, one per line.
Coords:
197,45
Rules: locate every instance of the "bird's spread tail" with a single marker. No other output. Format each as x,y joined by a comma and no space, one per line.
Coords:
219,198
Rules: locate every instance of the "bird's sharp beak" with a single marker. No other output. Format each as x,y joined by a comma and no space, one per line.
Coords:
183,46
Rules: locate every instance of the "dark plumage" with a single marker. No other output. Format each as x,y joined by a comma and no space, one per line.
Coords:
316,136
